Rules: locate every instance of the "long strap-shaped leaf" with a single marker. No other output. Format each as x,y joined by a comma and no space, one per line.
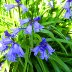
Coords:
61,63
43,66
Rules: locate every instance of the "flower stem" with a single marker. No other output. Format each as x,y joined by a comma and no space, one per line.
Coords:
19,10
9,11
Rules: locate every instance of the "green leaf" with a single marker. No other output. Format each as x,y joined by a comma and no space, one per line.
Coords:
60,40
55,66
42,65
60,62
58,32
47,32
36,65
15,67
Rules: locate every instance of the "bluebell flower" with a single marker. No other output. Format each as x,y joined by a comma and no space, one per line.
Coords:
44,49
15,32
10,55
68,13
11,6
24,9
3,46
67,5
28,30
36,26
23,21
4,43
18,50
15,49
14,52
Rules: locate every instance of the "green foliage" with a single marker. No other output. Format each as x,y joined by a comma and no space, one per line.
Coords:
56,30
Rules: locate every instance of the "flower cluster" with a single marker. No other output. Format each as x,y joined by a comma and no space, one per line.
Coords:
34,23
11,6
44,49
14,49
67,6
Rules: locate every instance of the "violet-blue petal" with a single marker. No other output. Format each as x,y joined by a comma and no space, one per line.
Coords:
3,47
43,41
14,52
18,50
36,50
23,21
15,32
7,34
9,6
18,1
69,0
37,27
7,41
28,29
41,27
67,14
11,56
37,18
4,43
24,9
50,49
67,5
43,55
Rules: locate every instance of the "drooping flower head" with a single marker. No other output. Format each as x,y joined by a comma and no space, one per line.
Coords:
14,52
15,32
67,7
36,26
4,44
15,49
44,49
67,14
11,6
3,47
24,9
23,21
28,30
